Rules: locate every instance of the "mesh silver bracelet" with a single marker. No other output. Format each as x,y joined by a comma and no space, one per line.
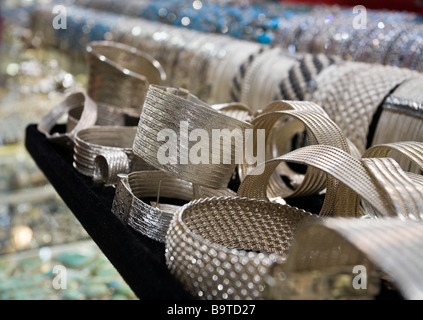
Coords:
153,219
222,248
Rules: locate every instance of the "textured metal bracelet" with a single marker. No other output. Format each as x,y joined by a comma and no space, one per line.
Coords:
402,110
107,116
222,248
235,110
352,92
389,245
165,112
238,78
321,130
87,118
404,194
410,150
119,76
258,98
226,65
301,76
153,220
108,166
100,140
405,182
335,162
381,183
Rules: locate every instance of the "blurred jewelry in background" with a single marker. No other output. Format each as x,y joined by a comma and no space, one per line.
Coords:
37,230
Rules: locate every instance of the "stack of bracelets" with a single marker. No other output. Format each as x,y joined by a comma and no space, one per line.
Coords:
391,38
176,113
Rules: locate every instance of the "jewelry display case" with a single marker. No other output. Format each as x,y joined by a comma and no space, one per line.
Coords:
329,110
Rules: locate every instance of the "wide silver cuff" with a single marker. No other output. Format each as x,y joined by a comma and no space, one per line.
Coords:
222,248
166,110
119,76
88,117
153,219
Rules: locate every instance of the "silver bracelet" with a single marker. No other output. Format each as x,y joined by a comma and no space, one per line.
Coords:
88,117
222,248
152,220
165,109
351,93
119,76
331,253
402,110
100,140
108,166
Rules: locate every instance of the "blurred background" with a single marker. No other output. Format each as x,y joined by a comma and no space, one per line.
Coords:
37,230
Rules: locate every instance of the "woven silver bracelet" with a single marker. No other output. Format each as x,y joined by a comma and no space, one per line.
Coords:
165,112
222,248
153,219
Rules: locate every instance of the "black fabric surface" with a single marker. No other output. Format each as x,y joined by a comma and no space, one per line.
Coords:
138,259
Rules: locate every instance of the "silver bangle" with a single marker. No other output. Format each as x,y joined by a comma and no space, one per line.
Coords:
351,93
100,140
320,129
119,76
153,220
106,115
165,109
402,110
108,166
88,117
222,248
329,247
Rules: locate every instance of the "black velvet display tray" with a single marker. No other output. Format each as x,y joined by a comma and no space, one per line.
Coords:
139,260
